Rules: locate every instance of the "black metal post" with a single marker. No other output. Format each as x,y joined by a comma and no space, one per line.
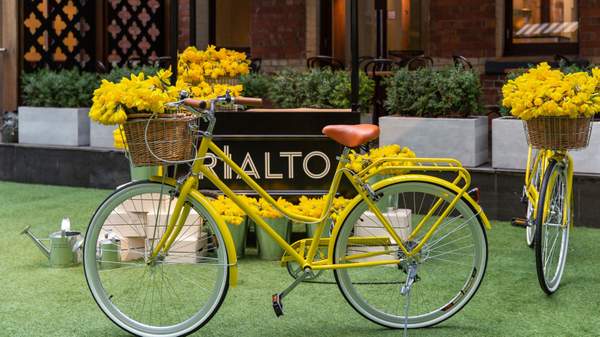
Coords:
381,11
354,54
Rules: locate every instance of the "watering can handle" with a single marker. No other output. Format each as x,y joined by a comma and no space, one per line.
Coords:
77,245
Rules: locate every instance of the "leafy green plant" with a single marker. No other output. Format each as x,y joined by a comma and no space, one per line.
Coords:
117,73
63,89
255,85
427,92
317,88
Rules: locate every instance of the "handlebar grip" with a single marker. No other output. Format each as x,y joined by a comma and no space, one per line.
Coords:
248,101
195,103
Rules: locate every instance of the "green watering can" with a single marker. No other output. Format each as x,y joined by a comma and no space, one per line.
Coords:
109,251
65,246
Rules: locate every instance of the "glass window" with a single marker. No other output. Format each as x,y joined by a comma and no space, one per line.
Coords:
543,25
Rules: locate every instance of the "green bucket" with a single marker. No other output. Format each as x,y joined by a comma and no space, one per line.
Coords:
384,203
238,233
143,173
268,249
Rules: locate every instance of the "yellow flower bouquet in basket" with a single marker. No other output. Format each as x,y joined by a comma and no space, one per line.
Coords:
154,134
556,108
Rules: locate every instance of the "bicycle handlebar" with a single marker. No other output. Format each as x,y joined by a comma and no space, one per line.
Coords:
195,103
250,101
202,104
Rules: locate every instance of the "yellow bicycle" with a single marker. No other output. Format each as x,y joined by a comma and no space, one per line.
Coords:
409,250
548,191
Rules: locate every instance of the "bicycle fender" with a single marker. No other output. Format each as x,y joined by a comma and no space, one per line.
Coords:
441,182
227,238
410,178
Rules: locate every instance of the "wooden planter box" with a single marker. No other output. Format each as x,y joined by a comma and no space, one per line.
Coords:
101,135
54,126
465,139
509,147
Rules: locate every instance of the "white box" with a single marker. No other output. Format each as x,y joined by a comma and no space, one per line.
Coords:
191,228
133,248
370,226
126,224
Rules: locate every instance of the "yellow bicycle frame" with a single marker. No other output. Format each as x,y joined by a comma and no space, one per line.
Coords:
189,187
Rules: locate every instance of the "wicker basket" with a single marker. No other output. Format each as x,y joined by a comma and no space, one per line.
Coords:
558,133
170,137
223,80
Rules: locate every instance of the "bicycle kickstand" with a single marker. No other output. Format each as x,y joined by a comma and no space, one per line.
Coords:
277,299
405,291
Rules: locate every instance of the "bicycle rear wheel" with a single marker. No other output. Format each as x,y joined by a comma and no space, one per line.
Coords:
449,268
171,295
552,233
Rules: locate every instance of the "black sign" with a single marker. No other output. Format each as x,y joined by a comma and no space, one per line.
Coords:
282,151
278,163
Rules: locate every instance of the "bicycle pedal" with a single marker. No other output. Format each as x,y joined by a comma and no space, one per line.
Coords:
518,222
277,305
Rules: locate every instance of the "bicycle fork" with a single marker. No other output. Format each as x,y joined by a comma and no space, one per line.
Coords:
177,219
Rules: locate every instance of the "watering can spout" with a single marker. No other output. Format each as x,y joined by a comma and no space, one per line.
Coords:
45,250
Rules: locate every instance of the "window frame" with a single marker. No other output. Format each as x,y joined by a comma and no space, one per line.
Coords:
533,49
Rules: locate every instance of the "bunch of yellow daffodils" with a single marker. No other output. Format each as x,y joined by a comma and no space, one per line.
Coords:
543,91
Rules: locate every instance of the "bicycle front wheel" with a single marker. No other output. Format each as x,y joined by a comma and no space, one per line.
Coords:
535,182
173,294
449,268
552,232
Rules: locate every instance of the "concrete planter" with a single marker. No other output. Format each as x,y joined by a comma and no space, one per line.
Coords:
509,144
101,135
465,139
54,126
509,147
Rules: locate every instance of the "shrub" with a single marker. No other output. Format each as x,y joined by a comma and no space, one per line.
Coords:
117,73
62,89
317,88
255,85
427,92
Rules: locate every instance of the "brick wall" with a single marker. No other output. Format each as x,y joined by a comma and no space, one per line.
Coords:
463,27
278,32
589,29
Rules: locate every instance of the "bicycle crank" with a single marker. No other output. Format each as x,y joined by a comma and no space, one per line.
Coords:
277,299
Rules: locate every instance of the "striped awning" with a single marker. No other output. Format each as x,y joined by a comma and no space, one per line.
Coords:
547,28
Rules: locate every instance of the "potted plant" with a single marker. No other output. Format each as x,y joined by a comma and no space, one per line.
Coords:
313,207
434,112
236,222
56,107
541,93
268,249
102,135
316,88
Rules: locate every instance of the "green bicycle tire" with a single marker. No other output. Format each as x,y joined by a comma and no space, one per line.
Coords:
554,176
371,303
102,286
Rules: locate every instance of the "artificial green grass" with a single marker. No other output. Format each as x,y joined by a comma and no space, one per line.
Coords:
39,301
